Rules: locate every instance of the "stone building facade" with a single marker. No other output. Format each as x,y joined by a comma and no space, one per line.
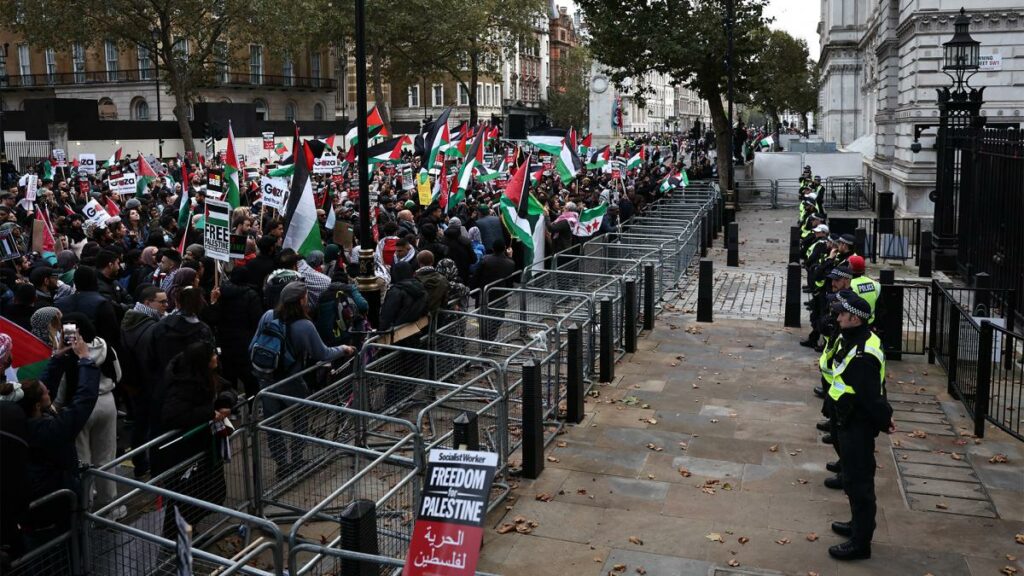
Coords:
881,63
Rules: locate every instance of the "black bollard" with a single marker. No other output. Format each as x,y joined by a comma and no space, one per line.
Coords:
924,247
982,295
533,421
607,359
794,243
860,236
574,389
649,298
792,319
984,374
705,290
703,237
359,534
466,432
892,322
733,255
629,316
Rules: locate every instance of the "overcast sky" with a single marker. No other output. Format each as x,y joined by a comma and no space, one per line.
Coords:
798,17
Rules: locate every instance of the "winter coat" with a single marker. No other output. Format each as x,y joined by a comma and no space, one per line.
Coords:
235,317
436,287
139,362
460,250
404,302
171,335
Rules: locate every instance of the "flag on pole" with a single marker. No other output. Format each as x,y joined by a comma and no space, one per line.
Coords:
584,147
47,170
599,158
441,188
474,159
48,242
500,169
114,158
280,149
29,355
182,545
374,127
522,213
548,140
301,229
144,176
568,162
437,137
387,151
459,150
231,168
636,160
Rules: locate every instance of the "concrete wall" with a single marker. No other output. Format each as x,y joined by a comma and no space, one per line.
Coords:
788,165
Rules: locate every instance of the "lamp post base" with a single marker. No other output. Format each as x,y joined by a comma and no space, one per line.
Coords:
369,285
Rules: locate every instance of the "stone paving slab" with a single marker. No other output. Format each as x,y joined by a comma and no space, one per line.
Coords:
764,445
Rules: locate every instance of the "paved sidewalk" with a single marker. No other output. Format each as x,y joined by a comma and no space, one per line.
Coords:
702,458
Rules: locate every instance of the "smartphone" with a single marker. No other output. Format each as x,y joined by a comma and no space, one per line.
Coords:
70,333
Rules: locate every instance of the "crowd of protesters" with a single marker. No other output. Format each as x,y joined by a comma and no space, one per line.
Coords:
149,334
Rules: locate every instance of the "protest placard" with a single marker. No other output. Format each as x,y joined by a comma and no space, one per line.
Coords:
217,230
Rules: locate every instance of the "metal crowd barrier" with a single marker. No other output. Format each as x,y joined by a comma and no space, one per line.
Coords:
660,255
596,287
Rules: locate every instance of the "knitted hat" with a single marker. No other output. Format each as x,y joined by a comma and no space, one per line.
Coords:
856,263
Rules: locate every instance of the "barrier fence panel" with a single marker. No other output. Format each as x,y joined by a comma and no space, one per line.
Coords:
626,270
916,317
755,192
1006,387
660,255
892,238
848,193
60,556
787,193
597,286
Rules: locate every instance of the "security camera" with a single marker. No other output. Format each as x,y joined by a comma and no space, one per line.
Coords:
915,147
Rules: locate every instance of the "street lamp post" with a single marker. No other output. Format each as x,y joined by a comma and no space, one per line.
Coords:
367,281
730,199
959,115
3,84
156,73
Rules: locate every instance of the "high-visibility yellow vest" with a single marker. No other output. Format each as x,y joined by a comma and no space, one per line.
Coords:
807,253
839,386
825,360
869,290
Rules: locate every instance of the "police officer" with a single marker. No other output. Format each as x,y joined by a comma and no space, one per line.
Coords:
807,236
816,282
830,330
839,285
862,285
861,411
805,177
818,189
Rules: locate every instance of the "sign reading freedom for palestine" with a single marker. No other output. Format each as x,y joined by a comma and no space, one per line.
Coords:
449,524
217,231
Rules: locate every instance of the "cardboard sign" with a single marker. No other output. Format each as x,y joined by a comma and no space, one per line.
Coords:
449,523
125,184
274,192
408,183
215,184
60,158
94,212
237,246
423,187
83,186
31,187
217,230
87,163
268,140
325,164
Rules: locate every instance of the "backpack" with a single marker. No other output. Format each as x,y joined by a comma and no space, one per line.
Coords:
338,316
269,352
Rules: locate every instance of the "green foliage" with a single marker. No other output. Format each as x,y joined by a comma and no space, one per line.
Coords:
783,77
569,95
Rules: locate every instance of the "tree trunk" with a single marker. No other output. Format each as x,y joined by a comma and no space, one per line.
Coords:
181,114
474,73
723,132
378,88
776,146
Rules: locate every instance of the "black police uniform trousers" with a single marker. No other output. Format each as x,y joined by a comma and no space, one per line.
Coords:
856,440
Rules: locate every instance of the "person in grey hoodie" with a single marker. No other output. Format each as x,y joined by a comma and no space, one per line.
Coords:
307,349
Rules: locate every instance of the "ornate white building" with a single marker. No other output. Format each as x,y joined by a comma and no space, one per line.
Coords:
881,64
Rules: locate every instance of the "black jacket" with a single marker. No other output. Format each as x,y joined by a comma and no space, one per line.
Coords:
258,269
460,250
95,306
490,230
235,317
138,362
561,235
869,406
492,268
171,335
405,301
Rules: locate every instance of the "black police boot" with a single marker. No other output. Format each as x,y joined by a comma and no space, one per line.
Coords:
834,482
824,426
819,391
850,550
807,289
808,343
834,467
842,528
827,438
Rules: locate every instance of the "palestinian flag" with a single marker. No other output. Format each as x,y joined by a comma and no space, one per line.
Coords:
548,140
590,220
495,172
231,168
144,176
459,150
47,242
301,229
280,149
599,158
374,127
767,142
285,171
584,147
473,160
387,151
670,182
437,137
684,178
47,170
114,159
441,188
522,214
29,355
568,162
637,160
536,174
492,133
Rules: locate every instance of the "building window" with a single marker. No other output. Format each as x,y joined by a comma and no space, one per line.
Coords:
145,63
262,112
223,68
497,94
255,64
24,65
480,100
140,109
288,71
51,65
463,95
414,96
78,62
437,95
107,109
110,54
318,111
289,111
180,49
314,68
